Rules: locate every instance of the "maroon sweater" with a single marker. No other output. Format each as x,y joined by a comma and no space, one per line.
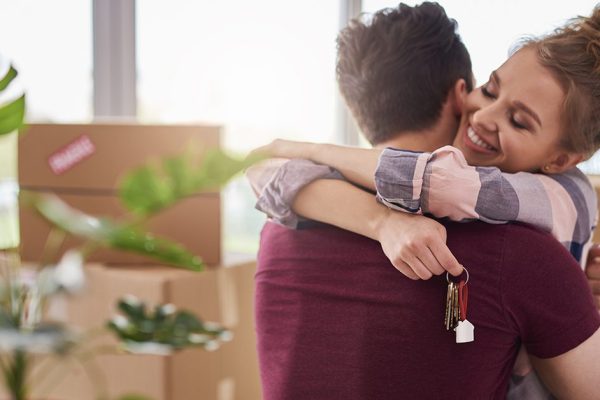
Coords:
335,320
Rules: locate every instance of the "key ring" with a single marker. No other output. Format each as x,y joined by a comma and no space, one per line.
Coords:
448,276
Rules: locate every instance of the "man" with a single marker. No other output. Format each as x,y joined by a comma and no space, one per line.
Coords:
335,320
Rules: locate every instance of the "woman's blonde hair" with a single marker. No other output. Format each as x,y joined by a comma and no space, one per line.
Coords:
572,54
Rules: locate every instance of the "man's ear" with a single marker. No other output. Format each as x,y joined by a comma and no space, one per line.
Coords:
562,162
458,96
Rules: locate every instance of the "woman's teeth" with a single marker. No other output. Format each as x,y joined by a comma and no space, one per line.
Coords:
477,140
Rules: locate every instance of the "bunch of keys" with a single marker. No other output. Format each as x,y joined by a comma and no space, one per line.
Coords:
456,309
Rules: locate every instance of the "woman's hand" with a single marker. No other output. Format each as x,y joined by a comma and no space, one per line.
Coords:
416,245
592,271
286,149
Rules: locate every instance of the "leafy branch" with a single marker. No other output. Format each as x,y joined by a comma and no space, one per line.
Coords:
12,114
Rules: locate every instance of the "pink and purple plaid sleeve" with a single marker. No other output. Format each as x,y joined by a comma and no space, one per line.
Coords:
444,185
277,196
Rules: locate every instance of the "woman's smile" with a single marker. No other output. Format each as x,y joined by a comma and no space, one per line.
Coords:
477,143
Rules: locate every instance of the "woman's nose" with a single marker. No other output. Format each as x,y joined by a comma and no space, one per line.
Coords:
485,118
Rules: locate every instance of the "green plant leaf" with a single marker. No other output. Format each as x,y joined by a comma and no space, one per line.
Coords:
144,190
67,218
12,115
180,172
108,233
8,78
135,310
133,397
188,321
152,187
133,240
217,168
166,327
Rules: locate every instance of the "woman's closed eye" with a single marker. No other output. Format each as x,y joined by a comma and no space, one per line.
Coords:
486,93
519,125
515,122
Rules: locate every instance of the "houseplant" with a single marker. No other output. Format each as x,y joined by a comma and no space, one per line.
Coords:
24,292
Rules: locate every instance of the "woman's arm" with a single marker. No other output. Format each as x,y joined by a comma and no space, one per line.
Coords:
444,185
415,245
354,163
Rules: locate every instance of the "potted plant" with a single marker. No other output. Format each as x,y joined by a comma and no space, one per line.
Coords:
24,292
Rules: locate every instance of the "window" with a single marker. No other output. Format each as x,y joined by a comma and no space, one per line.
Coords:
52,49
50,44
261,69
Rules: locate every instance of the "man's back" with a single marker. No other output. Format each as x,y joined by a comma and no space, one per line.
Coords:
335,320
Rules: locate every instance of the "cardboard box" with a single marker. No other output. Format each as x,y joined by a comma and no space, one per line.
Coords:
223,295
83,165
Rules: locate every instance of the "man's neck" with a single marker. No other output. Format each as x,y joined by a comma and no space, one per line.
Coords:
415,141
439,135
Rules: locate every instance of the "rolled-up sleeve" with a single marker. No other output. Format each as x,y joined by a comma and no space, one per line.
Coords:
444,185
279,193
439,183
399,179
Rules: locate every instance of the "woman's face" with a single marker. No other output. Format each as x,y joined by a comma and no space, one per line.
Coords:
513,121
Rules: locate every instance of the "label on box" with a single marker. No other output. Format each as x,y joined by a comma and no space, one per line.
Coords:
71,154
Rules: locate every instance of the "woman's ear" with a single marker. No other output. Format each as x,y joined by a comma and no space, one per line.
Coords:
562,162
459,96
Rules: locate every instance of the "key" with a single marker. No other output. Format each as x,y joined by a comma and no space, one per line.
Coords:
449,305
455,308
447,315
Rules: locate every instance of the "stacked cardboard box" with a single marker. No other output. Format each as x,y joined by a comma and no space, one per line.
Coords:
223,295
83,165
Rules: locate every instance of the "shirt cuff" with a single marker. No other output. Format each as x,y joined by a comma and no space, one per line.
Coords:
399,179
279,193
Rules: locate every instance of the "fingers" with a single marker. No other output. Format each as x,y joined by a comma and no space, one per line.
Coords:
405,269
593,272
423,261
429,260
445,257
593,268
593,261
418,267
424,253
595,286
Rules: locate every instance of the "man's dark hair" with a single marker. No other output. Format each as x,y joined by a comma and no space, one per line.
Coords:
395,70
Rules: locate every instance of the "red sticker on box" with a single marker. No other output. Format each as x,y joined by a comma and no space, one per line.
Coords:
71,154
